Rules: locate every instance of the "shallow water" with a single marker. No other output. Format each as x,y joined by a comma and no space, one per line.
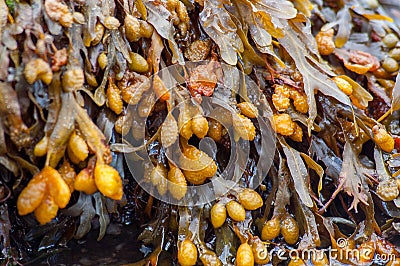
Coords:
119,247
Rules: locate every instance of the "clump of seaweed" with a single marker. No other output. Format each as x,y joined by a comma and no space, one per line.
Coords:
326,75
